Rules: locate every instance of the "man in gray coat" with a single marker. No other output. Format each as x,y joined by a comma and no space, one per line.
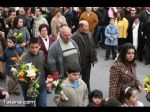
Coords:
63,52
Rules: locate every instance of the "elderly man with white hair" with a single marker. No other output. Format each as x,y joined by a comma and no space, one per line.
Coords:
87,50
63,52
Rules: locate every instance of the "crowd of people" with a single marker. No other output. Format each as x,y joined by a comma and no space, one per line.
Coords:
65,39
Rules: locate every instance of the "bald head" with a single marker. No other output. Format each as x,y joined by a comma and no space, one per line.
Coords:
65,33
84,26
64,29
88,9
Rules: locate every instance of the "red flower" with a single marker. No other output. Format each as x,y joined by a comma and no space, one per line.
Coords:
48,86
55,78
56,74
49,76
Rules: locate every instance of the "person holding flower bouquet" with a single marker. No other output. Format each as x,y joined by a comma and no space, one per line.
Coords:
34,55
20,32
11,57
74,88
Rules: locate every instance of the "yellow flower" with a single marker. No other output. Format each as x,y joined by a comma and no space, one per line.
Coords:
147,88
147,79
35,70
21,73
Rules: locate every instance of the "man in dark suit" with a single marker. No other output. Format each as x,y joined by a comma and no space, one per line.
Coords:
87,50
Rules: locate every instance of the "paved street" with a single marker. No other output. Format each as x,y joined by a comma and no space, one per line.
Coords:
99,79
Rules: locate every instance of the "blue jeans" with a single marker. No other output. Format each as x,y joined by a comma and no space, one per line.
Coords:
100,30
41,100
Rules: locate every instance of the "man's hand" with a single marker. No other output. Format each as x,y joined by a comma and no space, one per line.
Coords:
22,44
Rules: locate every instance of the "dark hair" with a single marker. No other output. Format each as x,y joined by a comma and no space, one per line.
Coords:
40,9
122,14
24,8
15,21
73,67
13,39
136,17
11,10
95,93
125,93
112,103
111,19
33,40
123,52
43,26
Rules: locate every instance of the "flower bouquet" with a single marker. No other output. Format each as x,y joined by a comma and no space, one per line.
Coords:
19,38
147,87
53,83
28,75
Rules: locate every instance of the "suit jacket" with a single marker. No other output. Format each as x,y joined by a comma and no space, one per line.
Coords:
121,77
77,37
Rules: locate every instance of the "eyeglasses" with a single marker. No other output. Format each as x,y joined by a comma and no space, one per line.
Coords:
132,10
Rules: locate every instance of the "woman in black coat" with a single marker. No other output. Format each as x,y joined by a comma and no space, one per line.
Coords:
141,42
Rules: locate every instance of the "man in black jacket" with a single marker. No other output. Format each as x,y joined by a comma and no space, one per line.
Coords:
87,50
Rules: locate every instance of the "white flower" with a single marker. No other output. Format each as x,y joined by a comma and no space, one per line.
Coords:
13,69
30,73
55,83
29,65
49,80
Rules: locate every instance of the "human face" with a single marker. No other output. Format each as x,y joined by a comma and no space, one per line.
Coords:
74,77
133,10
34,48
133,99
96,100
88,9
130,54
13,14
85,27
20,22
66,35
44,32
37,12
136,21
21,11
58,14
118,14
148,9
112,22
10,43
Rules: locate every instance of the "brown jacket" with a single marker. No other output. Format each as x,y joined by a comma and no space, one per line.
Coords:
121,77
92,19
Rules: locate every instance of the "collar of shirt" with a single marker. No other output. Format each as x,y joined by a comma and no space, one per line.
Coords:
74,84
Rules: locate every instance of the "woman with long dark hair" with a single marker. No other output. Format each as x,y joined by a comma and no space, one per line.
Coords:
122,72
